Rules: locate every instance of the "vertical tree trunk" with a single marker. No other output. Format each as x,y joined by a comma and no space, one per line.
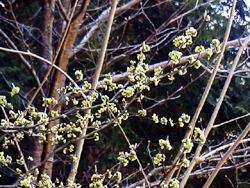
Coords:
48,7
59,79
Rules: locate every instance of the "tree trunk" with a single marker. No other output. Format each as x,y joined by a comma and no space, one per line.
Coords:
59,79
48,7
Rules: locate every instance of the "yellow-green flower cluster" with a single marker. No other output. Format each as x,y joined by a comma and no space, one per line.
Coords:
109,85
206,17
183,119
128,92
20,161
45,181
215,45
184,40
171,76
96,135
182,71
97,181
3,101
79,75
174,183
15,90
144,48
5,124
17,120
185,162
49,101
155,118
199,49
199,135
138,73
142,112
187,145
191,32
54,113
209,53
191,59
164,121
163,185
158,74
40,116
73,158
86,86
175,56
118,176
19,136
70,184
106,105
5,160
197,64
124,157
141,57
27,181
159,159
7,141
165,144
30,158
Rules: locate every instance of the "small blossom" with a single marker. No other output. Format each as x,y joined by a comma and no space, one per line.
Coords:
3,100
132,155
73,158
144,48
199,135
182,71
159,158
185,117
191,59
15,90
49,101
122,158
191,32
209,53
54,113
206,17
75,101
199,49
187,145
79,75
180,42
188,40
71,148
155,118
163,185
171,122
165,144
118,177
218,49
96,135
30,158
164,121
185,163
175,56
141,57
174,183
181,124
128,92
171,77
197,64
142,112
215,43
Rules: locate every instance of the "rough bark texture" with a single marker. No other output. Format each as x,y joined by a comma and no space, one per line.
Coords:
59,79
48,7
